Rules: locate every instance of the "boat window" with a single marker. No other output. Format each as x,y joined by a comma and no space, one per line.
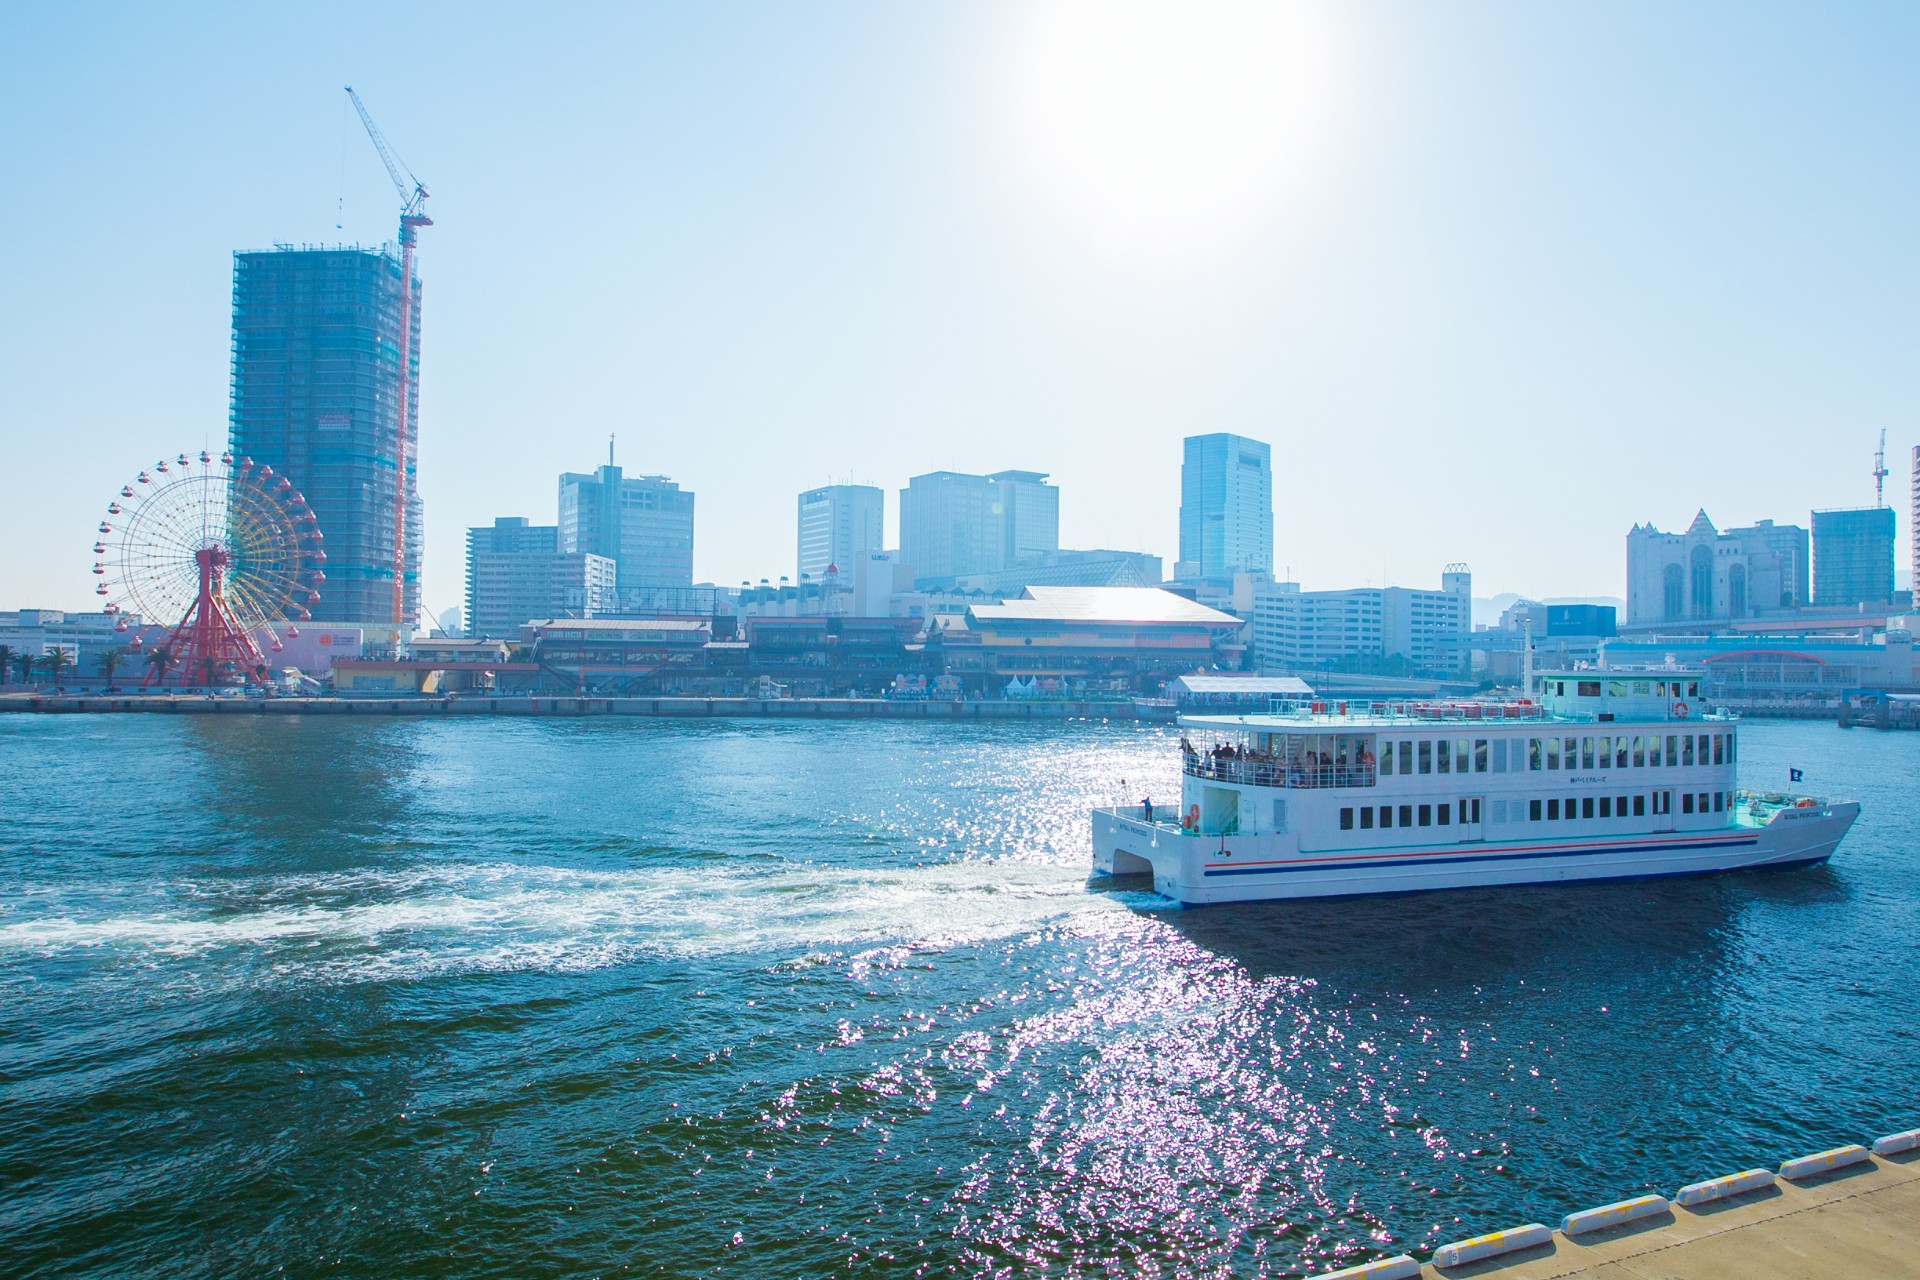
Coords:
1386,815
1426,815
1406,815
1406,758
1586,806
1475,802
1533,753
1533,810
1573,748
1572,810
1640,688
1446,814
1616,688
1716,748
1559,688
1479,755
1386,759
1620,806
1553,809
1673,749
1719,801
1606,806
1426,755
1693,688
1460,746
1366,818
1346,818
1686,749
1686,802
1704,748
1639,806
1553,753
1619,753
1588,689
1586,753
1653,751
1639,752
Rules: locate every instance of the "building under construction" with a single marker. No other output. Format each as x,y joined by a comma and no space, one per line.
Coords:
318,395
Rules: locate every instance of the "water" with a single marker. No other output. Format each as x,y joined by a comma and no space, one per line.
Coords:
544,998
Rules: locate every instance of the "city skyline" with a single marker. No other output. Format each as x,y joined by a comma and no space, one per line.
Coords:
1476,245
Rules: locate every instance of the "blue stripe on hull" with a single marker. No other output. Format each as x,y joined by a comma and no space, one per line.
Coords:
1429,860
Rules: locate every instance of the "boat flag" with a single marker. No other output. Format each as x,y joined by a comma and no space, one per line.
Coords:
1793,775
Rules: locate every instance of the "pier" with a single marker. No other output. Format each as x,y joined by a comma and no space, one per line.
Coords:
1847,1212
584,705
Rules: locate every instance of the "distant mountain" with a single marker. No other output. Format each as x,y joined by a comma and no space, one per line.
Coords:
1487,609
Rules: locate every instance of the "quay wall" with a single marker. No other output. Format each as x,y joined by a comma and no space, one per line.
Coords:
674,708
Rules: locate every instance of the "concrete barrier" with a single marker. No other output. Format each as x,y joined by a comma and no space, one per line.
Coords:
1398,1267
1824,1161
1491,1245
1720,1188
1612,1215
1894,1143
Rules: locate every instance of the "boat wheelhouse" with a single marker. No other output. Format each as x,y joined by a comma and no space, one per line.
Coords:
1610,774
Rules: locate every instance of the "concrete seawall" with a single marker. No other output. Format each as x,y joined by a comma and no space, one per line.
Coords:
666,708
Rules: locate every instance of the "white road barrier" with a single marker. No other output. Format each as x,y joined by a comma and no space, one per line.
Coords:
1488,1246
1894,1143
1720,1188
1398,1267
1824,1161
1612,1215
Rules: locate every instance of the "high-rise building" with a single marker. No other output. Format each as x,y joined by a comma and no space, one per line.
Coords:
516,573
1710,575
316,383
1226,507
1853,556
644,524
952,523
839,524
1295,630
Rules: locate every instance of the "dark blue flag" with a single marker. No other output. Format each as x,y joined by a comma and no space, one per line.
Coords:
1793,775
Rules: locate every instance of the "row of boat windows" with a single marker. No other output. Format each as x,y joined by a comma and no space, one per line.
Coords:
1603,751
1628,688
1383,817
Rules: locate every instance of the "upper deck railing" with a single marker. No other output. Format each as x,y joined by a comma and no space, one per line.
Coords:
1258,771
1411,714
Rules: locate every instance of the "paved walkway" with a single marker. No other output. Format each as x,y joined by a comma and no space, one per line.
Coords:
1863,1220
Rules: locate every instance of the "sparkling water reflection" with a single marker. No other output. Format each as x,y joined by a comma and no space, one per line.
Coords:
549,998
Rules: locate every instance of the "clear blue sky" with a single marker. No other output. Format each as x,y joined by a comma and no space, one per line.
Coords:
1495,280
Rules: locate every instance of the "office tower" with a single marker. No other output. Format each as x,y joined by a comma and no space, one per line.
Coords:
839,524
1712,575
1226,507
316,390
953,524
1853,557
644,524
1295,630
516,574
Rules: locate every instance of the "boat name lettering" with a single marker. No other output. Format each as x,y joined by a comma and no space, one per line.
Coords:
1588,777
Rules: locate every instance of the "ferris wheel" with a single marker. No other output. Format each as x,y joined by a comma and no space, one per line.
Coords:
221,550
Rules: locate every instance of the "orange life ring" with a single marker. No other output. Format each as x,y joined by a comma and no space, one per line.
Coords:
1679,711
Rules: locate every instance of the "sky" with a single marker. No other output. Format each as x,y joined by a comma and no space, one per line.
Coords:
1496,280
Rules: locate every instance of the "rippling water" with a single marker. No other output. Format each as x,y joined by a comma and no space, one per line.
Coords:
737,999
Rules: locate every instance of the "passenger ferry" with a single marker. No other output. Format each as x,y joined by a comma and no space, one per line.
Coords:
1607,775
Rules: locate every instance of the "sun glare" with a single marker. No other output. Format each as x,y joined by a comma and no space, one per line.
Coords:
1164,130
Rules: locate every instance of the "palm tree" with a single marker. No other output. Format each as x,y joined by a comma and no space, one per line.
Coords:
54,661
158,660
23,663
111,660
7,653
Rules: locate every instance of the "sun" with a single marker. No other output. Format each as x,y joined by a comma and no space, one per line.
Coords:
1169,130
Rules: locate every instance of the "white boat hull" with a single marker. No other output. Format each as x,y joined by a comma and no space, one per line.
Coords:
1203,869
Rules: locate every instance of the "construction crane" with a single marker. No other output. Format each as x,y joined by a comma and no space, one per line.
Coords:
413,216
1880,471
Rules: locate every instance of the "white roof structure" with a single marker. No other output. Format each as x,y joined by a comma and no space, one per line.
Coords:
1102,604
1250,686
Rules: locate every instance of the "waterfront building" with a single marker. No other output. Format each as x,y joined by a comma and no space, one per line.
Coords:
516,572
839,523
1226,508
1853,554
644,524
1764,671
1365,628
1083,640
1707,575
316,396
953,524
